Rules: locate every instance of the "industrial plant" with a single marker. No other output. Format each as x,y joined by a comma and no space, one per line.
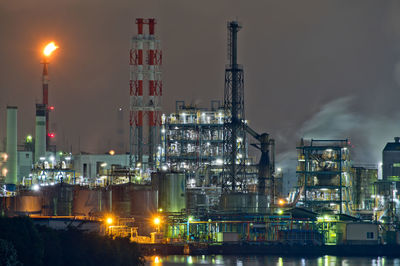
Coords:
189,177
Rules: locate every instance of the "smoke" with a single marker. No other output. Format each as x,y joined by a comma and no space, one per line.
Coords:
368,133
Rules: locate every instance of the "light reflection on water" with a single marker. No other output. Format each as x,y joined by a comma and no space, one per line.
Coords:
176,260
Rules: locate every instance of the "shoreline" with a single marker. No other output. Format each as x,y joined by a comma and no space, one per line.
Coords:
263,249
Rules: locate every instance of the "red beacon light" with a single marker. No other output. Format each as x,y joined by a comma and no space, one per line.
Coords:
51,108
51,135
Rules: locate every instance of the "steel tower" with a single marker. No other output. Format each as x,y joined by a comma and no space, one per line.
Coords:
234,123
145,88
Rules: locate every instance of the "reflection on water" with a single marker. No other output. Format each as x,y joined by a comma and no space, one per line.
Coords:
176,260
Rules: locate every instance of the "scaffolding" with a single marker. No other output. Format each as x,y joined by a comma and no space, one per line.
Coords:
325,172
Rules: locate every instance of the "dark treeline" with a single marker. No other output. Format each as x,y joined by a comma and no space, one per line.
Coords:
23,243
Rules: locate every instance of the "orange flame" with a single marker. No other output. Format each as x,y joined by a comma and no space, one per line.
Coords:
49,48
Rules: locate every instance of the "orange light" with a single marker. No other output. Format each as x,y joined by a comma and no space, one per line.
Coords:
281,202
49,48
109,220
157,221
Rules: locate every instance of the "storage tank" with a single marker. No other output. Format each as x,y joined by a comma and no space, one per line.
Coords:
57,200
130,200
87,202
28,202
171,188
11,148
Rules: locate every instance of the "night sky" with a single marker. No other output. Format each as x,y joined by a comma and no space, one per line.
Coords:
322,69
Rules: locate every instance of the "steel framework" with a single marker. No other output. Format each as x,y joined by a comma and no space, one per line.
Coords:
234,178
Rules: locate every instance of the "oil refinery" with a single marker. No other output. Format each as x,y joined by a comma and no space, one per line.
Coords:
189,176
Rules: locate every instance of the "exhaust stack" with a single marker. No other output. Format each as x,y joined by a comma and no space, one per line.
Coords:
40,139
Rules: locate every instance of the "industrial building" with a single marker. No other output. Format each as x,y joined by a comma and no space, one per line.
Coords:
191,172
324,172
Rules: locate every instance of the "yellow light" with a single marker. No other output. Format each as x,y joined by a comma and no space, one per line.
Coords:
157,221
111,152
109,220
160,209
280,211
156,260
49,48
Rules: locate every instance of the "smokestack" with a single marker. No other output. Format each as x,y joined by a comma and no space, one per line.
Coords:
11,148
40,139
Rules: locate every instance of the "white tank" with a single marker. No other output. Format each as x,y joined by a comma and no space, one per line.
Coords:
11,148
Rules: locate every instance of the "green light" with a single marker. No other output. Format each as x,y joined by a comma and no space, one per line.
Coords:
29,139
190,218
60,153
280,211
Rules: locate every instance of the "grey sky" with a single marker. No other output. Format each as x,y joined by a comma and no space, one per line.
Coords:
298,56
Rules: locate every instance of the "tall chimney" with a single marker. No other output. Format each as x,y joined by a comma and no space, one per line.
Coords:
40,139
11,148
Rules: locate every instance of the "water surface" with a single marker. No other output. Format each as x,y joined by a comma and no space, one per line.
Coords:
176,260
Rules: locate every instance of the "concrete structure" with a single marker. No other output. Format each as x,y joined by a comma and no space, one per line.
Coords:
25,162
92,166
11,148
357,233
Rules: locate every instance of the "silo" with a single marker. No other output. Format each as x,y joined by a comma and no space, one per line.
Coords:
11,148
171,188
40,140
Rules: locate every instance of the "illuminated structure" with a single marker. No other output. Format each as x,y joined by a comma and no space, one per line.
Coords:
145,94
47,51
364,178
324,173
192,139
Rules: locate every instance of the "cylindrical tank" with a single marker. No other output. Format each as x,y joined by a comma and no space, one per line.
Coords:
171,188
143,202
28,202
11,148
57,200
131,200
240,202
40,139
87,202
